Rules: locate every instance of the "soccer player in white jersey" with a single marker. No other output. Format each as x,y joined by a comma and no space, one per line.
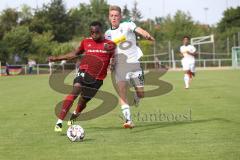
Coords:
123,34
188,52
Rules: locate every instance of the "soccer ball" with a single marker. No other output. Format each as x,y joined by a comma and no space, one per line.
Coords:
75,133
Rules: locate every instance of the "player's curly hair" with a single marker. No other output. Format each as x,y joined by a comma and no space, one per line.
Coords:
188,37
96,23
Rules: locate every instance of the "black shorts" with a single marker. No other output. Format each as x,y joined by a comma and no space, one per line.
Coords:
89,85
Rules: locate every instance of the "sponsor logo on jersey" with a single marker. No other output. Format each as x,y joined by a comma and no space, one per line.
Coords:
96,51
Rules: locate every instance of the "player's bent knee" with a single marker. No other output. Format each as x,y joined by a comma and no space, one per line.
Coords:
140,94
85,100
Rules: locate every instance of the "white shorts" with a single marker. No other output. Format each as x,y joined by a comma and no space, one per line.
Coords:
133,74
188,65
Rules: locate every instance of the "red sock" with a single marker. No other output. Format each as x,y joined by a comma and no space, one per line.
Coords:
67,104
80,108
190,74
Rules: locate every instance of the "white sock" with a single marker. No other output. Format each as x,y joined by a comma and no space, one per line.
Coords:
74,112
126,112
59,121
186,80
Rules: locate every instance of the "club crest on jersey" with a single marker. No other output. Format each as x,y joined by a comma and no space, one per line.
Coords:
108,37
109,46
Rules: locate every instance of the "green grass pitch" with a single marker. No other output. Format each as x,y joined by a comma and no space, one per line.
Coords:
209,130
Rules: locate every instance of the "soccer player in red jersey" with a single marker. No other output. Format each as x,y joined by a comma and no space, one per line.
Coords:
97,52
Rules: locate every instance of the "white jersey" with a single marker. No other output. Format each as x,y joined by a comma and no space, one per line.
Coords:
125,39
185,49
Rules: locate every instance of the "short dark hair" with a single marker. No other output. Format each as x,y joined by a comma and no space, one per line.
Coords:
96,23
186,37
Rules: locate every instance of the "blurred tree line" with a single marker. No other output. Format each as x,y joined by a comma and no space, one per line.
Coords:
52,29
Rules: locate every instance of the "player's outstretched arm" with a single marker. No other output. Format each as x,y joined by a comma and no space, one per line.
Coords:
68,56
112,64
181,54
192,54
144,33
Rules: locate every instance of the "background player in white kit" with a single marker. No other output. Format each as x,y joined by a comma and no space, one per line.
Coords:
123,34
188,61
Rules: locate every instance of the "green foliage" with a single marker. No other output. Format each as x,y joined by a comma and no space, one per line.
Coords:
228,28
18,41
25,15
41,46
172,28
231,19
8,19
82,16
146,47
181,24
136,13
126,12
57,16
62,48
3,51
158,20
39,23
99,9
53,17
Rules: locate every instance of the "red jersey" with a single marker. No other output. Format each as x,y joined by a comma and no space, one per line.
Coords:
96,57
